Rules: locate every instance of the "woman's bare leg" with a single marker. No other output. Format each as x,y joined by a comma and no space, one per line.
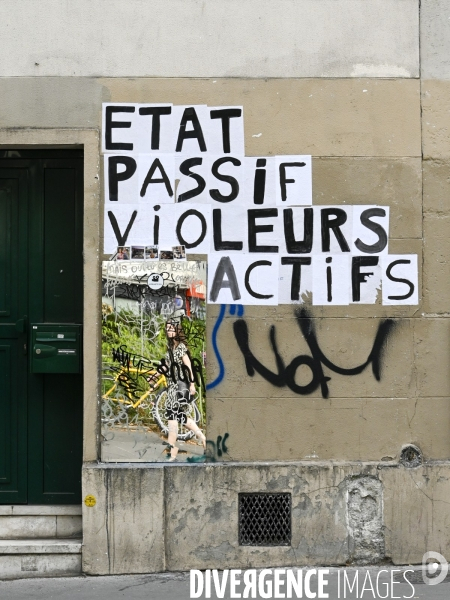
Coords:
172,438
192,425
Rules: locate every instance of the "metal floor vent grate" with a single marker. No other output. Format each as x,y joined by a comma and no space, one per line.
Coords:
265,519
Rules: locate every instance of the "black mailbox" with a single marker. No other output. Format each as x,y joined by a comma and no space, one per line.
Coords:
55,348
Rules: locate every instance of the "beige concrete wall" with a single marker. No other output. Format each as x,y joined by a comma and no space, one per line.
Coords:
366,141
324,117
124,531
434,39
335,79
212,38
435,90
152,518
365,137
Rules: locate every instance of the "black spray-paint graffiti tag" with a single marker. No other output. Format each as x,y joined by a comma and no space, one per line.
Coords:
286,374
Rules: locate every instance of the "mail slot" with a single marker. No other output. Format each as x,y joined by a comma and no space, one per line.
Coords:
55,348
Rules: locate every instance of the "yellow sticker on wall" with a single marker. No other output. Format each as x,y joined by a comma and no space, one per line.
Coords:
90,501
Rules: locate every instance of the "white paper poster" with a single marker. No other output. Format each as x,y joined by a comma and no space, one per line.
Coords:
370,229
297,229
400,282
190,130
187,225
121,179
192,176
331,280
226,130
119,127
156,174
177,181
153,124
259,181
127,224
294,180
366,274
226,181
296,277
243,279
333,229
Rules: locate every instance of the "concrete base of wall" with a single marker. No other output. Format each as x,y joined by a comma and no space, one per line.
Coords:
151,518
40,541
40,558
24,522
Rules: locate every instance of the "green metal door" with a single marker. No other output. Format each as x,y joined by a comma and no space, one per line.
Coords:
41,281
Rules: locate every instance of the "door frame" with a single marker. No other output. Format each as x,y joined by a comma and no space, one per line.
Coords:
88,139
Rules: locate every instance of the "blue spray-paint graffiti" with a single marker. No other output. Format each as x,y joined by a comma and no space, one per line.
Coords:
232,310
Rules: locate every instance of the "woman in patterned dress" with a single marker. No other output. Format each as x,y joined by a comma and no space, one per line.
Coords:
177,369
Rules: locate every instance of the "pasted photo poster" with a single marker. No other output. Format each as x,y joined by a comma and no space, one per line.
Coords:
153,358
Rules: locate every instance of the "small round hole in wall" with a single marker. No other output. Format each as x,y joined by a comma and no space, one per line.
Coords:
411,456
